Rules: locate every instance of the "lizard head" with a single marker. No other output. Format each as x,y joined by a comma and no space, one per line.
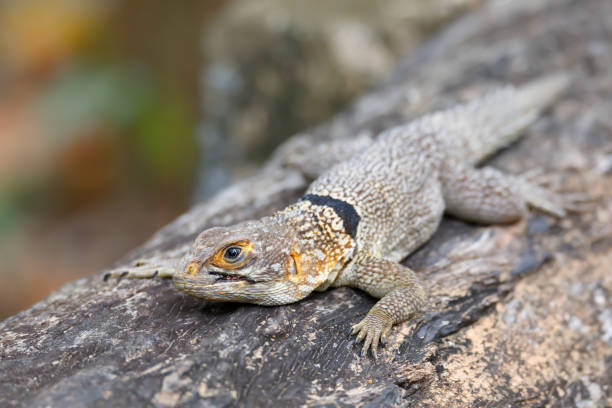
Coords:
254,262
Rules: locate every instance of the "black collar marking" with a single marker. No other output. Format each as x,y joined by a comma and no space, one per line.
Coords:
344,210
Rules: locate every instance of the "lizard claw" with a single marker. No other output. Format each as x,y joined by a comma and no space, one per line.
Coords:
373,328
357,340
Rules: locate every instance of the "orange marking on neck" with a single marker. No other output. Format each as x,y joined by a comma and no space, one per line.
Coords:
293,261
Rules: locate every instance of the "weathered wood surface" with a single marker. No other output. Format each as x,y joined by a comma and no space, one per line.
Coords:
536,330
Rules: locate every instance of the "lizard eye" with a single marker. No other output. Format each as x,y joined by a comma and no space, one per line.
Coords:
232,253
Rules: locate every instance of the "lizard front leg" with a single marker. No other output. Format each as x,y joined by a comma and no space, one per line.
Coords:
401,293
142,270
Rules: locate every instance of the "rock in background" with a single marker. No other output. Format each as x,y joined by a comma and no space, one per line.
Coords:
277,67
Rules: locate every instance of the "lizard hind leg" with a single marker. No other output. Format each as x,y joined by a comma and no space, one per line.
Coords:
488,196
401,293
483,195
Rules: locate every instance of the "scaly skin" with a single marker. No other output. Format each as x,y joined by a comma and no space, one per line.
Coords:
363,215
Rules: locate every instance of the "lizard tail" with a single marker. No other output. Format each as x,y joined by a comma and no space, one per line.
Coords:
480,128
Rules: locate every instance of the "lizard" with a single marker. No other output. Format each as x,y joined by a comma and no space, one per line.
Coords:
362,216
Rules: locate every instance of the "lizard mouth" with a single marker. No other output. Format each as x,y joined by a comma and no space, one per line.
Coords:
225,277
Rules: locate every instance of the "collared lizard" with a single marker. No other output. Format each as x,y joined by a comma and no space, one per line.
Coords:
362,216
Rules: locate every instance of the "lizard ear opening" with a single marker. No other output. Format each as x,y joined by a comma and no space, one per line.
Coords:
291,266
294,268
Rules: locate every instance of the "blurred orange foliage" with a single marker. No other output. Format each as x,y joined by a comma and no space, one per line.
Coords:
98,103
38,34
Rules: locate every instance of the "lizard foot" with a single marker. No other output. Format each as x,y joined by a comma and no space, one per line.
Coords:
552,201
374,328
141,270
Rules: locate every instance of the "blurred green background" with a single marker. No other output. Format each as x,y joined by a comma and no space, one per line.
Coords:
98,104
116,115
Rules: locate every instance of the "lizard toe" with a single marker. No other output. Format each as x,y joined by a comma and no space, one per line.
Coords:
384,335
140,270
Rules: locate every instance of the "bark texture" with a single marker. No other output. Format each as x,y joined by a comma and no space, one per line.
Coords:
534,330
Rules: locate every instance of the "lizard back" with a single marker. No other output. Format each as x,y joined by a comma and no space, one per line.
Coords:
393,185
